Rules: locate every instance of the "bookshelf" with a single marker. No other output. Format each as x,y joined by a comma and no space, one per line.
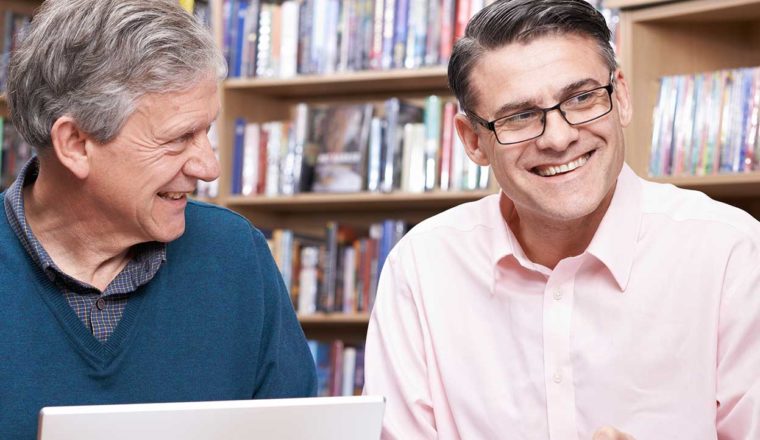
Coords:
684,37
266,99
326,327
313,210
260,100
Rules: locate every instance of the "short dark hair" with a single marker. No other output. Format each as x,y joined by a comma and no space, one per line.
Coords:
507,21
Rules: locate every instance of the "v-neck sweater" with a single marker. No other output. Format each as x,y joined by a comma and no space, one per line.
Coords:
215,323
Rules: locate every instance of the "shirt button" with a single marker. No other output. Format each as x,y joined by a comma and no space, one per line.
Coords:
100,304
557,378
557,294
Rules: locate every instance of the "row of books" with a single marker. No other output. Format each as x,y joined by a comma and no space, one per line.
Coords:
282,39
707,123
286,38
14,24
336,273
396,145
14,153
340,367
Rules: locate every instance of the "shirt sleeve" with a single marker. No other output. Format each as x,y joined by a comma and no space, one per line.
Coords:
738,383
285,365
395,356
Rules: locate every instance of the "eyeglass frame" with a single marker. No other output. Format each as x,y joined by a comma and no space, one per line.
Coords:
491,125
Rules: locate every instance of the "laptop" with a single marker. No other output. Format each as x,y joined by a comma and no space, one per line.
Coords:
316,418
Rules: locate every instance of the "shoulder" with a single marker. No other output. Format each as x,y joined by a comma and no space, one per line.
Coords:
682,208
200,212
462,219
220,229
462,231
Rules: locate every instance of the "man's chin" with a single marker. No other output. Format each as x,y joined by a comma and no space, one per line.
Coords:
169,234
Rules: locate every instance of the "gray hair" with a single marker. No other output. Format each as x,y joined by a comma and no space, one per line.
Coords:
507,21
94,59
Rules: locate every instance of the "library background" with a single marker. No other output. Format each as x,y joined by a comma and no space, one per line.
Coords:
336,131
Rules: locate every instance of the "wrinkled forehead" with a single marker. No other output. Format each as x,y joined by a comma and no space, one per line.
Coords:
539,69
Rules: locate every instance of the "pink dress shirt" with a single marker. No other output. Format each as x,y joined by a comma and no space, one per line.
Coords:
654,329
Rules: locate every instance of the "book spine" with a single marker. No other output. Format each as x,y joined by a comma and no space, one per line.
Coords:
289,45
237,156
447,143
432,140
389,20
251,145
400,31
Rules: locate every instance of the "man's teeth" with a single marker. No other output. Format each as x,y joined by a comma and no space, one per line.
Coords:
172,195
553,170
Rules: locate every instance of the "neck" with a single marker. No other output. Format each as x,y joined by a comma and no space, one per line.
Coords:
548,241
70,229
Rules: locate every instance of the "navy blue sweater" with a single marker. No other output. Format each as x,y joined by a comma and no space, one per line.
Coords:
216,323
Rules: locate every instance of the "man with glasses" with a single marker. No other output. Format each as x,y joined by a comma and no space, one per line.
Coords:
581,297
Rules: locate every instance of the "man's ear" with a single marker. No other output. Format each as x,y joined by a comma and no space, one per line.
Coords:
69,145
469,136
623,99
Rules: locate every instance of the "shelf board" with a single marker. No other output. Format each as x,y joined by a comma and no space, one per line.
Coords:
332,319
355,201
699,11
363,82
738,185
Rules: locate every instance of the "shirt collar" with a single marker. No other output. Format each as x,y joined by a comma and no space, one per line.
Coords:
14,210
613,243
504,243
147,257
615,239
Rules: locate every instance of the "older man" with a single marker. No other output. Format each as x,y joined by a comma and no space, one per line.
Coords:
114,287
581,302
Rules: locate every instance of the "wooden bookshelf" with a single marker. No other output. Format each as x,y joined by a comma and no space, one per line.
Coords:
432,79
396,201
266,99
327,319
719,186
349,327
309,212
684,37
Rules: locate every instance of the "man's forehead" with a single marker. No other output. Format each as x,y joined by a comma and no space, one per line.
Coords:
542,68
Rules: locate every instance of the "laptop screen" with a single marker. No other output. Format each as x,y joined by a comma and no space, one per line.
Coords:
318,418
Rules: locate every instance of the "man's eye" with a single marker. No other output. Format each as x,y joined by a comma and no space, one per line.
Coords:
581,99
521,118
185,138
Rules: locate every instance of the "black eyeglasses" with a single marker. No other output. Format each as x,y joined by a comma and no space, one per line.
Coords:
527,125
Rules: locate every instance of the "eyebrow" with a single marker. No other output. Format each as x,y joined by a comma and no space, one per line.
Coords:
512,107
196,127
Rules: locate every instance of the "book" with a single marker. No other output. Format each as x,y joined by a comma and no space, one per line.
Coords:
341,133
187,5
250,171
238,156
432,141
447,144
397,113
